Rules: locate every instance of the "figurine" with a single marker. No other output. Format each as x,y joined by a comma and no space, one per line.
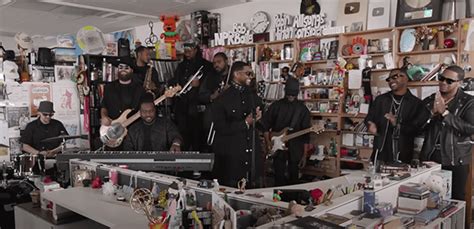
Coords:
276,196
241,186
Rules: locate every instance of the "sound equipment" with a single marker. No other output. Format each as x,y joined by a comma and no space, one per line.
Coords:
45,57
144,160
123,47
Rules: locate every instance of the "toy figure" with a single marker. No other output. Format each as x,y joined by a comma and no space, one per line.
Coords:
170,35
276,196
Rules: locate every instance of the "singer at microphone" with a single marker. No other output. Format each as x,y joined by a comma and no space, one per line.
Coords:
237,145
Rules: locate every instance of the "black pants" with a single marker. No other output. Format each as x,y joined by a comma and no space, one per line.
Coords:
284,162
460,175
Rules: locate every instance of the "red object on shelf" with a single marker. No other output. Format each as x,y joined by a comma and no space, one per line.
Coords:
97,183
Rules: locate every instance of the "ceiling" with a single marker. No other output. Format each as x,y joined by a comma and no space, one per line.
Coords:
43,18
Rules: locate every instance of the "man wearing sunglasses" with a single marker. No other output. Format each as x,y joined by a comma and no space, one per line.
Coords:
395,118
121,94
234,114
38,130
451,122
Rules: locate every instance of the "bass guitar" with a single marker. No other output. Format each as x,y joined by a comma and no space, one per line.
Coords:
280,138
113,135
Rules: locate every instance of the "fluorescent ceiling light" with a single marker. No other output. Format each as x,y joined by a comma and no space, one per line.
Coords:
6,2
58,2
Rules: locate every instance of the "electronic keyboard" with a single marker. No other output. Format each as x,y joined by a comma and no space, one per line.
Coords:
143,160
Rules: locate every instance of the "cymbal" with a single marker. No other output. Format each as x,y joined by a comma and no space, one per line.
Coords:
65,137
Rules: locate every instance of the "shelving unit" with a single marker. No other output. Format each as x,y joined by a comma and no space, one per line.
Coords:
331,166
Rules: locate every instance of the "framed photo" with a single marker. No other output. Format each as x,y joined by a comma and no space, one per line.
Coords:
352,14
64,73
378,15
411,12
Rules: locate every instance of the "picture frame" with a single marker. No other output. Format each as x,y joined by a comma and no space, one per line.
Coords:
411,12
378,14
64,73
353,14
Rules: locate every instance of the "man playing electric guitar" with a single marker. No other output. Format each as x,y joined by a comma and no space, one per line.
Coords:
291,113
121,94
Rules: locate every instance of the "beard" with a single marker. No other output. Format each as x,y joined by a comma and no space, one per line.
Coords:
125,76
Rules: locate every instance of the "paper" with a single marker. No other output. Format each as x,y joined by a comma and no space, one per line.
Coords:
355,79
4,141
348,139
222,212
364,108
389,61
15,147
38,92
427,91
18,94
470,38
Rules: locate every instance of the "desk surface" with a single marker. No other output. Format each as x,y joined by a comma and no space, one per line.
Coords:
93,205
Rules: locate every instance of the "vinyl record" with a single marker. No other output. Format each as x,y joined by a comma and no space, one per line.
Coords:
417,4
310,7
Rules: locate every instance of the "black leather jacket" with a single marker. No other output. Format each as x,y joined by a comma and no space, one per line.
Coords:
456,127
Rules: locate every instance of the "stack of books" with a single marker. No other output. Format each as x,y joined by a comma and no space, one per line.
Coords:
412,198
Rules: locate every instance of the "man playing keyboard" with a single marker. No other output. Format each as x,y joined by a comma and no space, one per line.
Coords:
152,133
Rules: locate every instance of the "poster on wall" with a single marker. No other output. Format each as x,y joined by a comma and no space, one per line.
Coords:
378,14
38,92
67,108
18,94
18,117
4,144
352,14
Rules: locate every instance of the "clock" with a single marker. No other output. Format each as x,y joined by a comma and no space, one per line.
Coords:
259,22
411,12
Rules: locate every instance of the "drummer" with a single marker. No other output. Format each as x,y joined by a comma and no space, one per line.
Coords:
38,130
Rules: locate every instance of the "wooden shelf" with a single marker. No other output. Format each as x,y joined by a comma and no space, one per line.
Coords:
426,24
317,61
320,100
368,54
423,52
275,82
276,61
381,70
318,37
324,114
359,115
330,131
423,83
356,147
318,86
238,46
383,30
287,41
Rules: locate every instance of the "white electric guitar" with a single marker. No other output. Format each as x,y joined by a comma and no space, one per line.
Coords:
113,135
280,138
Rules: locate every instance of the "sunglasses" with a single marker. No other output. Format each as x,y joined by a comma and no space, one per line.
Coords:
394,77
48,114
122,66
249,73
449,81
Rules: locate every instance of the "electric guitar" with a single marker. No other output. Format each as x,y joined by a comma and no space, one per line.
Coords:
113,135
280,138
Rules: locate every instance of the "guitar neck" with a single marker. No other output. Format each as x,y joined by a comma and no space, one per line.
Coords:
135,116
296,134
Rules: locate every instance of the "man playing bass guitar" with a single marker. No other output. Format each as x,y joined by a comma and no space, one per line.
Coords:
121,94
